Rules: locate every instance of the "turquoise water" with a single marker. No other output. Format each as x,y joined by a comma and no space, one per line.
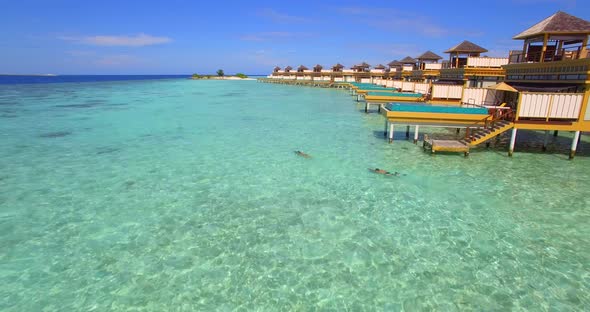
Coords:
186,195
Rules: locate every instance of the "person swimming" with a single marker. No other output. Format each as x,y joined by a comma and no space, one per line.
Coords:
384,172
302,154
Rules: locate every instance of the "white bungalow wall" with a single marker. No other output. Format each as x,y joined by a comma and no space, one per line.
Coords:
407,86
486,61
480,96
421,88
550,105
446,92
433,66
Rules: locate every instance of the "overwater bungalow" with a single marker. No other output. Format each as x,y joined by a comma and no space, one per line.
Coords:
302,69
318,73
551,74
337,72
377,73
546,88
362,67
355,72
428,67
395,69
408,64
303,73
467,67
362,72
289,74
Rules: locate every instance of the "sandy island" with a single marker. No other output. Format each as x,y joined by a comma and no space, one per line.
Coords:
221,78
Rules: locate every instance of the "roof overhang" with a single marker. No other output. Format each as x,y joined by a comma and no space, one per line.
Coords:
502,86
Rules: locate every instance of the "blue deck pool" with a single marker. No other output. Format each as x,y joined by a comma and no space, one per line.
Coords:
402,107
397,94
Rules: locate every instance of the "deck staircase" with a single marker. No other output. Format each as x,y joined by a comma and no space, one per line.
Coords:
480,135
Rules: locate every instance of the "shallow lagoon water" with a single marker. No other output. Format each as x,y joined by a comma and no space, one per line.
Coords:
186,195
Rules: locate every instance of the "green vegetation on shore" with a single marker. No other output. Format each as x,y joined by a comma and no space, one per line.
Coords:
219,75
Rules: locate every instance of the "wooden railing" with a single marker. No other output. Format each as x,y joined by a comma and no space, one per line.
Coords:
496,114
550,55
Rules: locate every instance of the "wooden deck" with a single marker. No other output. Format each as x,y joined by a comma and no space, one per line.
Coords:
446,146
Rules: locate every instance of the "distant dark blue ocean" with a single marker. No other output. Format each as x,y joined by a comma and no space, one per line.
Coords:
17,79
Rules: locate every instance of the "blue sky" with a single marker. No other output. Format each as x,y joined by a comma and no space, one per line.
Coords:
178,37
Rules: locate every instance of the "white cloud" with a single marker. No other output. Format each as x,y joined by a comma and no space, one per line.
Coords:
138,40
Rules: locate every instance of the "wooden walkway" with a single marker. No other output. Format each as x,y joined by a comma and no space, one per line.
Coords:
446,146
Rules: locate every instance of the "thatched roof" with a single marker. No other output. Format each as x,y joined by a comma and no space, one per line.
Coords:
338,65
394,63
466,47
559,22
363,65
380,66
277,68
318,66
429,55
408,60
301,68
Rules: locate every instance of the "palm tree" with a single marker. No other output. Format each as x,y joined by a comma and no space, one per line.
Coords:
220,73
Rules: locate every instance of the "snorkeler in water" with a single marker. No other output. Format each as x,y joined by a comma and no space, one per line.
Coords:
384,172
302,154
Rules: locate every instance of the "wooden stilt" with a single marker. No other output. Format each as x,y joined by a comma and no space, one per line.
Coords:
512,141
391,132
407,132
574,144
416,134
458,130
555,133
366,107
386,126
